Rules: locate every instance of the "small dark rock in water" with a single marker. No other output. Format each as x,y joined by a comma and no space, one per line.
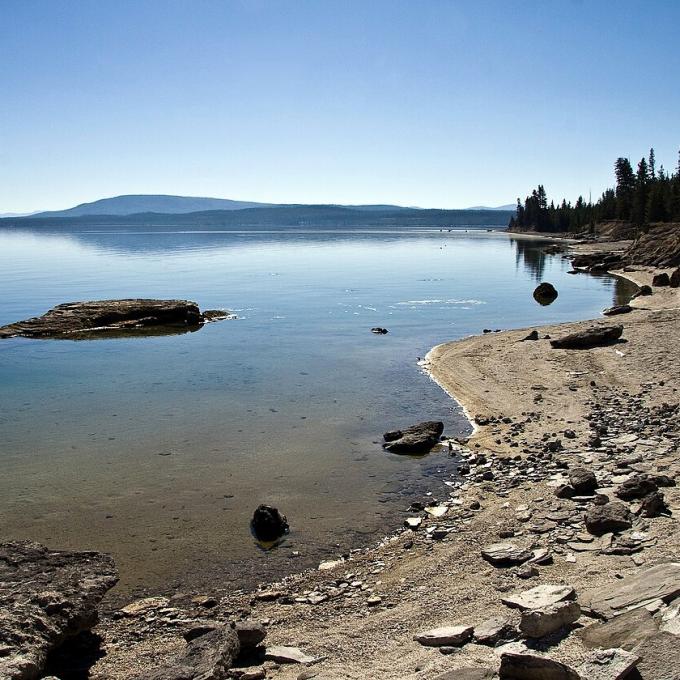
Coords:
419,438
268,524
660,280
620,309
591,337
545,293
379,331
532,336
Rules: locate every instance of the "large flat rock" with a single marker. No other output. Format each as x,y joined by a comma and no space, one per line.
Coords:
46,596
101,316
661,582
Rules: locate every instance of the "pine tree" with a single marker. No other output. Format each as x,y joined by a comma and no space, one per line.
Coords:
652,164
625,188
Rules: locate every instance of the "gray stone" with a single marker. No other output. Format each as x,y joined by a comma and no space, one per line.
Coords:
494,630
416,439
608,664
505,554
282,654
618,309
526,666
624,631
659,582
591,337
454,636
539,597
250,634
208,657
659,657
537,623
608,518
670,618
582,480
46,596
104,316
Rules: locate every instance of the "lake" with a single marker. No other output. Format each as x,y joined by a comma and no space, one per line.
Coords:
158,449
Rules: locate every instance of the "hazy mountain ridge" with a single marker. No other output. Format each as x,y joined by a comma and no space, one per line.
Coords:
274,217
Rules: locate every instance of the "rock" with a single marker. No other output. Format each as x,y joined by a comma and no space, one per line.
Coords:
545,293
619,309
144,605
208,657
643,291
249,634
625,631
505,554
282,654
670,619
379,331
591,337
494,630
268,524
417,439
653,505
583,481
674,280
107,315
532,336
608,664
611,517
454,636
46,596
661,280
659,582
659,657
636,487
527,666
413,523
539,597
537,623
565,491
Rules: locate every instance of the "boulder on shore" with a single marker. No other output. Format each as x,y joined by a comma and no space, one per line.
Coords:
619,309
100,316
660,280
46,596
416,439
610,517
590,337
268,524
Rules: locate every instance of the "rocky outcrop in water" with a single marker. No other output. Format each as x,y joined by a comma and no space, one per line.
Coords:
545,293
416,439
101,316
268,524
46,596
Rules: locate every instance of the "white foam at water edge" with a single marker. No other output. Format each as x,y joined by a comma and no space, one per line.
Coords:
453,301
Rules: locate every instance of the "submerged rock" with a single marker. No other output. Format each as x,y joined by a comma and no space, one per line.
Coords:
46,596
545,293
591,337
417,439
268,524
379,331
101,316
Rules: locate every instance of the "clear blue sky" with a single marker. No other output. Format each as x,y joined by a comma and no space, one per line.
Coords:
422,102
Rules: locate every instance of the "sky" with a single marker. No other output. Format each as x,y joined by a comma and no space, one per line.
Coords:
431,103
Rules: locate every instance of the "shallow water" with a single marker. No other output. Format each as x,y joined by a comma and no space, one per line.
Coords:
157,449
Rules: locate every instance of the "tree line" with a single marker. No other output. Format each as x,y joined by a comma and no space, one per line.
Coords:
639,198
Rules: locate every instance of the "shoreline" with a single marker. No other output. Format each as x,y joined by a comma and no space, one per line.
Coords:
357,615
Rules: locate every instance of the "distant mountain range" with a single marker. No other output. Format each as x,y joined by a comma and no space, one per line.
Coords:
137,211
509,206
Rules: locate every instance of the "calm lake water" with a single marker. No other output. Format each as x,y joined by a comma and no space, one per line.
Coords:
158,449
